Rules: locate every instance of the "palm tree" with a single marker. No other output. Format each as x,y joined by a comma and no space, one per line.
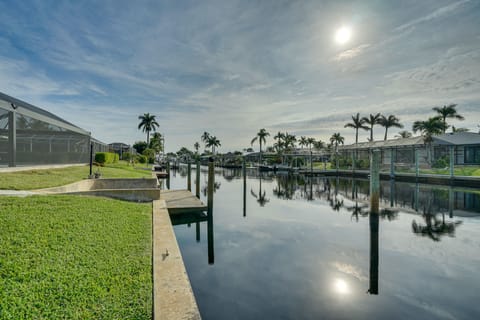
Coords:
213,142
429,128
156,142
196,145
147,124
280,136
310,143
205,137
447,112
262,138
371,121
289,141
391,121
303,141
404,134
432,126
318,145
335,140
357,123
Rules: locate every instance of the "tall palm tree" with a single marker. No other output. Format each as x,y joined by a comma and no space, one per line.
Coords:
372,120
357,123
432,126
289,141
261,136
147,124
318,145
388,122
404,134
279,137
335,140
303,141
310,143
205,137
213,142
449,111
429,128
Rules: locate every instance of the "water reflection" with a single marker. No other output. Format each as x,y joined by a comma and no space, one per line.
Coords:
284,245
198,217
261,195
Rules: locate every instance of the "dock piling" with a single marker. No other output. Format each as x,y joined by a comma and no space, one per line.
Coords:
374,218
189,176
197,181
210,188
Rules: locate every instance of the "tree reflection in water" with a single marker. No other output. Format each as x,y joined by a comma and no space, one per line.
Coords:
434,227
261,196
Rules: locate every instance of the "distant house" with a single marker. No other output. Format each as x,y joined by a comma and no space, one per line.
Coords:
119,148
464,145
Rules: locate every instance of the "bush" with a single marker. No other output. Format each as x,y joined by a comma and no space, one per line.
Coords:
106,157
126,156
441,163
141,158
150,154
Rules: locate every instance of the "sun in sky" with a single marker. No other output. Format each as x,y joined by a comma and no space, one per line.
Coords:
343,35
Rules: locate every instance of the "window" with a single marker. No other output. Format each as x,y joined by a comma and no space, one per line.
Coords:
472,155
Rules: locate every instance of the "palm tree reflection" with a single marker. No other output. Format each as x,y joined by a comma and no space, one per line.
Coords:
434,228
261,196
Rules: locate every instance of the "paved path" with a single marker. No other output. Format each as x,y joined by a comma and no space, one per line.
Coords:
16,193
43,167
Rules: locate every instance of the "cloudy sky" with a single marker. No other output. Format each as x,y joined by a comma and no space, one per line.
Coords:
233,67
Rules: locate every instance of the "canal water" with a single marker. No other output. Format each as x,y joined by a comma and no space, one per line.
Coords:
293,247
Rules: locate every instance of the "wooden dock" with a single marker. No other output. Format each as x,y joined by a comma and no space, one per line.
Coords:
181,201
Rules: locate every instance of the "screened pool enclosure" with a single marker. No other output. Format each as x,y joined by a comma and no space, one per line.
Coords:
32,136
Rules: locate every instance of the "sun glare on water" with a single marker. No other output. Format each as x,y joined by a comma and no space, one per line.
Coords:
343,35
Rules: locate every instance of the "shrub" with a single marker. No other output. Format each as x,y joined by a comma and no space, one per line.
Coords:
150,154
106,157
141,158
441,163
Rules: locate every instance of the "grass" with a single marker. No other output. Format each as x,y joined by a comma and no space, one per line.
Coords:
38,179
458,171
66,257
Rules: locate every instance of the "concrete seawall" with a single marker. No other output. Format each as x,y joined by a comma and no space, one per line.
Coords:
172,293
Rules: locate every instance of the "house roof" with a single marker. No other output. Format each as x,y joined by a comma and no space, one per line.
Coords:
401,142
27,109
458,138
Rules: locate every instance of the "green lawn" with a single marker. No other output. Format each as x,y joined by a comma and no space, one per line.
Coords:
72,257
38,179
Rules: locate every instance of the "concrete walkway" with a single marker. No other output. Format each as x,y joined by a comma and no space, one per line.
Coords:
42,167
172,293
16,193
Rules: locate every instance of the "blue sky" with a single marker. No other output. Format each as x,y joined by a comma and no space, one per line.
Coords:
233,67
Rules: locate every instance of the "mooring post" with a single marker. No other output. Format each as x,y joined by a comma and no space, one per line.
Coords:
392,163
374,218
374,181
12,138
452,161
451,199
416,162
311,162
197,180
211,183
189,176
91,159
353,162
197,231
244,172
168,174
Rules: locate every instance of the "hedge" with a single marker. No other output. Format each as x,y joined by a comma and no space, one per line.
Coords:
106,157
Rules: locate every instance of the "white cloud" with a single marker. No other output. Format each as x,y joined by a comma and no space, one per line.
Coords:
351,53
